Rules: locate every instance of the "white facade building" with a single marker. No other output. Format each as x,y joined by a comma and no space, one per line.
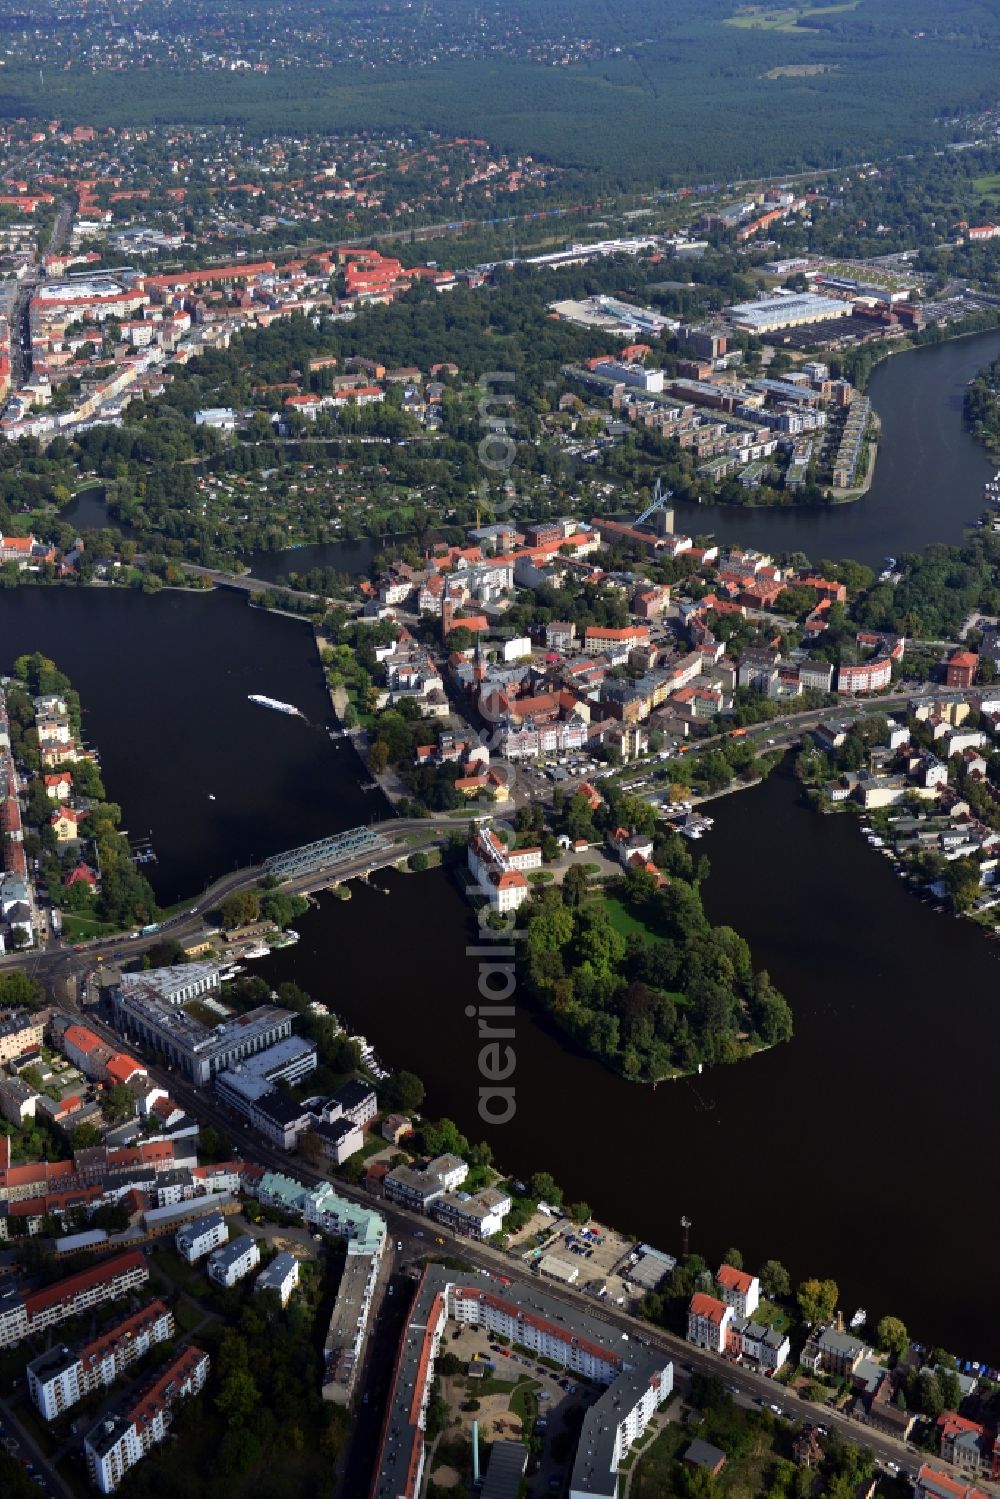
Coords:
231,1262
200,1237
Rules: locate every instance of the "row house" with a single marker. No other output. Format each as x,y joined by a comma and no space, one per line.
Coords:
935,1483
765,1346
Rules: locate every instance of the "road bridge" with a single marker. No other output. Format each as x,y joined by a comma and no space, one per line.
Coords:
328,853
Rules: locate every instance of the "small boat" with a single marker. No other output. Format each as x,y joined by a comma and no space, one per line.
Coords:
276,704
258,950
211,796
860,1318
284,939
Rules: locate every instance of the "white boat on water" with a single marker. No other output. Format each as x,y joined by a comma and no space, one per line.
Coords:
860,1318
273,702
284,939
258,950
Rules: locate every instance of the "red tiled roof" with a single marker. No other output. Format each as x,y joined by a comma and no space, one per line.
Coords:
734,1280
95,1275
708,1307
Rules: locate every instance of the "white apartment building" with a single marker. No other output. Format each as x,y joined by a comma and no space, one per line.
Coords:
231,1262
478,1216
59,1378
193,1240
116,1445
738,1290
281,1275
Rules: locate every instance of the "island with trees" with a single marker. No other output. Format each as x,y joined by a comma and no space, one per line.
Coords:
639,977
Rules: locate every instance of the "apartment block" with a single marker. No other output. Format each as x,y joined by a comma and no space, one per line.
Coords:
117,1444
231,1262
23,1314
200,1237
59,1378
281,1275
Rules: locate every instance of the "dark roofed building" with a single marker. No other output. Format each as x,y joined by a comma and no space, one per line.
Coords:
702,1454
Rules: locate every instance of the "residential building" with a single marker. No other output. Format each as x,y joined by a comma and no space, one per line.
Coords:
934,1483
395,1127
708,1322
833,1352
17,1100
355,1100
281,1275
20,1032
966,1445
738,1290
478,1215
59,1378
338,1141
201,1236
638,1381
26,1314
229,1263
117,1444
960,670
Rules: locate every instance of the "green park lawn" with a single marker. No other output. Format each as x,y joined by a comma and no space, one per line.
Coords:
988,186
76,928
783,18
621,918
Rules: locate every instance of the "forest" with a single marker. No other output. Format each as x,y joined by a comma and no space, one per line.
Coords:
838,86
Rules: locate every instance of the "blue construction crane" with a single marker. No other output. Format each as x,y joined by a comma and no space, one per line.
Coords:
661,501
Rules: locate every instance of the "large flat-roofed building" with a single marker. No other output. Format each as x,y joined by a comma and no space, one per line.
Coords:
59,1378
117,1444
639,1380
154,1008
349,1320
174,985
250,1087
24,1314
771,314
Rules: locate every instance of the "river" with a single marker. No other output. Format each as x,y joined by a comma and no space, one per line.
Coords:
832,1153
928,483
929,476
164,681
